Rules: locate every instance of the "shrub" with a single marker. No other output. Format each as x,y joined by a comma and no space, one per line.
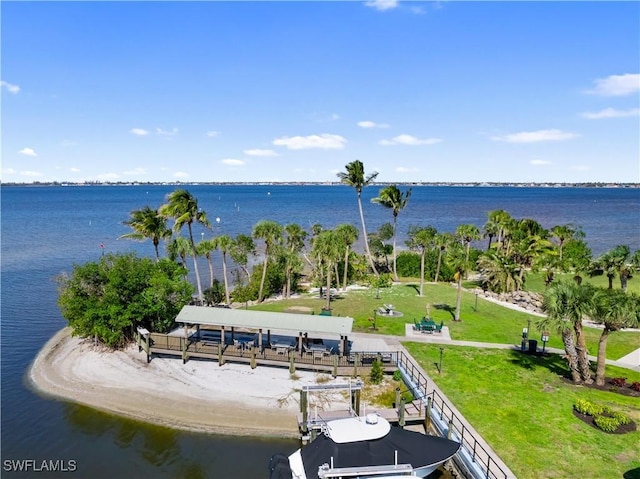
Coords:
619,382
607,424
622,418
635,386
377,373
397,375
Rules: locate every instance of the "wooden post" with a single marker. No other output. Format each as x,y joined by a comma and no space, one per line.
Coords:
220,359
292,362
355,365
398,399
183,343
450,429
304,409
335,365
427,415
300,351
260,339
148,348
401,421
357,408
253,358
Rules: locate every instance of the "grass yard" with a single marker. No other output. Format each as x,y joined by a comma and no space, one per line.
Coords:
490,323
523,408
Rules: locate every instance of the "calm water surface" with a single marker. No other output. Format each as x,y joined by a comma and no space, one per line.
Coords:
46,230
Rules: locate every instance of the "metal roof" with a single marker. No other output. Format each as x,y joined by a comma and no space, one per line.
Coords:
244,318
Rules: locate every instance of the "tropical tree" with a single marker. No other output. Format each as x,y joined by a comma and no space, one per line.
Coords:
457,259
467,233
179,247
392,198
614,310
147,223
242,247
566,304
614,262
501,274
271,233
205,248
441,241
355,177
294,244
182,206
380,249
327,249
421,239
224,244
349,234
562,233
504,223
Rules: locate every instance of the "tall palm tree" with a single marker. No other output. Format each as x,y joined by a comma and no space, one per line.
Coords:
294,244
205,248
327,249
456,258
147,223
612,263
355,177
421,238
563,233
271,233
566,304
614,310
501,273
441,241
467,233
182,206
349,235
391,197
224,243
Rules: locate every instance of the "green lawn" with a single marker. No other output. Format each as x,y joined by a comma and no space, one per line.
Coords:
491,323
535,281
522,407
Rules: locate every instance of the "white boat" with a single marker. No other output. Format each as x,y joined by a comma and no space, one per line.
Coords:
364,448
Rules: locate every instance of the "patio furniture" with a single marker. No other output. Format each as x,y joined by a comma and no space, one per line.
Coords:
439,327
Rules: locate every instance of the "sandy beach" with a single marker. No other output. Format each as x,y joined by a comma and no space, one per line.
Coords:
198,396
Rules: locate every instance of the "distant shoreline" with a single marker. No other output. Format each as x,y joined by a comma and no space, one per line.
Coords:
479,184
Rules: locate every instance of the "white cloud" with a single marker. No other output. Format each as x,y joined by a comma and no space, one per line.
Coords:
404,169
409,140
259,152
610,113
135,171
539,162
212,133
536,136
371,124
324,141
138,131
31,173
232,162
10,88
180,174
161,132
617,85
382,4
28,152
74,170
335,116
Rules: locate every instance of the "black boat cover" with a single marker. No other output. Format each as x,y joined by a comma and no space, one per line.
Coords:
413,448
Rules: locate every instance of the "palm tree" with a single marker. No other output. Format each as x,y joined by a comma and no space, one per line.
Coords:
205,248
563,233
442,242
467,233
566,304
421,238
240,249
179,247
327,249
457,259
271,233
349,235
147,223
182,206
224,243
355,177
501,273
612,263
614,310
391,197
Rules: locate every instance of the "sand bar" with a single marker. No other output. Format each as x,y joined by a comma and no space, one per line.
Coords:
197,396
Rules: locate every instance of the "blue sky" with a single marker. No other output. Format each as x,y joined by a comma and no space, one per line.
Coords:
293,91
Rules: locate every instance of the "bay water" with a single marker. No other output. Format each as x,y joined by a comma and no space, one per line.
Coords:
48,229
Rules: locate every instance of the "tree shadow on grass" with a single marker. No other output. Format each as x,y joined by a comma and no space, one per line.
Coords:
632,474
415,287
553,362
445,307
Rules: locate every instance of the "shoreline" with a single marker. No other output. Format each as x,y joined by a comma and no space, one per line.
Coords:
199,396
